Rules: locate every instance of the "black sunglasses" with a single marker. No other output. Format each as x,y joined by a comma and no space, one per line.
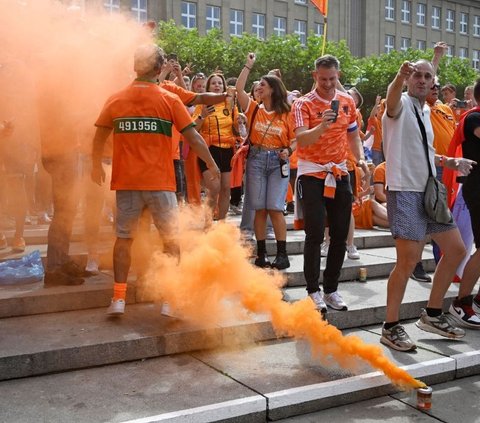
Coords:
199,75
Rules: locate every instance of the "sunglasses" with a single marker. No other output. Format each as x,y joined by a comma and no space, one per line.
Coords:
437,86
198,76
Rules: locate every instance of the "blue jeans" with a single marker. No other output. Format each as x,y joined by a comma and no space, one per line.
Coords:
377,157
316,207
265,187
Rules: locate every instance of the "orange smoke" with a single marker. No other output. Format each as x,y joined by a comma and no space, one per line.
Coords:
214,281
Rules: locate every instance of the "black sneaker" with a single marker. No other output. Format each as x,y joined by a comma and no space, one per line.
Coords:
461,311
73,269
281,262
476,304
59,278
262,261
419,274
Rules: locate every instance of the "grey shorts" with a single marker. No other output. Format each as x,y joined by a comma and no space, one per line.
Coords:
408,219
130,204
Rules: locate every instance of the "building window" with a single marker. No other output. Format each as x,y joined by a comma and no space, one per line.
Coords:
463,53
189,14
389,43
279,26
450,51
236,22
476,26
405,44
258,25
301,1
390,10
213,17
436,17
112,6
319,29
301,31
463,23
421,45
406,9
476,59
139,10
421,13
450,20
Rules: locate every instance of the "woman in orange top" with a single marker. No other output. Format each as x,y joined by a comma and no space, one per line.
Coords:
216,125
268,160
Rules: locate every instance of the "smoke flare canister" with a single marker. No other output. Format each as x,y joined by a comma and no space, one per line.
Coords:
424,398
362,274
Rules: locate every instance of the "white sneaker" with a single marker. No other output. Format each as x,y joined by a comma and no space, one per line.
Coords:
117,308
324,249
352,252
270,234
318,300
335,301
92,264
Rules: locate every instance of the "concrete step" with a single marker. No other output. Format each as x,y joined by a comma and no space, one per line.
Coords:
62,341
259,383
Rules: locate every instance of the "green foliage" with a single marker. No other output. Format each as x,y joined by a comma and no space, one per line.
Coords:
371,75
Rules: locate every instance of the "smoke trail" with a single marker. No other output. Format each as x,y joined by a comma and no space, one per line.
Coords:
214,281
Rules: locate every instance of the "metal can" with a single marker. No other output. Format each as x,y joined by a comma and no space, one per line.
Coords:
424,398
362,274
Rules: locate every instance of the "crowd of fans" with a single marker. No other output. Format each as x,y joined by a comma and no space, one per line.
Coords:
177,137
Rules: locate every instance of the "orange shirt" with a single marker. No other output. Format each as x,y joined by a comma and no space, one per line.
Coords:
443,124
217,127
186,96
142,116
270,130
379,174
333,145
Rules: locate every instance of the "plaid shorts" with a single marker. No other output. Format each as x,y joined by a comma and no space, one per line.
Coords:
408,219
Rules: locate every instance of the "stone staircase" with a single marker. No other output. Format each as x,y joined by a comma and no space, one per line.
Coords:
62,359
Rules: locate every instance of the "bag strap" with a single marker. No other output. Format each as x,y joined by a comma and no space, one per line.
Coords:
424,139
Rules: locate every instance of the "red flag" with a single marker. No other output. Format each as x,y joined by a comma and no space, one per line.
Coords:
322,6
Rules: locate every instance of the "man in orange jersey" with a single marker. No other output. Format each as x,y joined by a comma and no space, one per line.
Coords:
142,117
324,137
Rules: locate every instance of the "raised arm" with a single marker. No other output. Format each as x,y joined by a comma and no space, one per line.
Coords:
242,97
395,89
438,52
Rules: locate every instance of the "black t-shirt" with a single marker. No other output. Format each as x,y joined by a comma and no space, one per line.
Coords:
471,150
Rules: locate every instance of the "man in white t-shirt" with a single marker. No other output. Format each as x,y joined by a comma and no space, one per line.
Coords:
406,178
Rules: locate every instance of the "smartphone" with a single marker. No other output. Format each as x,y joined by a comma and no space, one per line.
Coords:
334,106
172,56
461,104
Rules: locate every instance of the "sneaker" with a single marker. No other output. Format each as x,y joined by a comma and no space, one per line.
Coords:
117,308
270,234
281,262
419,274
290,207
262,261
397,339
324,249
335,301
318,300
18,245
59,278
43,219
439,325
3,242
352,252
235,210
92,264
462,312
476,304
247,235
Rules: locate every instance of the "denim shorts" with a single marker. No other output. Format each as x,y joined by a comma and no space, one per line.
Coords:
408,218
130,204
266,188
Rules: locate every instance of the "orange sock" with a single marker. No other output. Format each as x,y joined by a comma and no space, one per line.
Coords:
119,290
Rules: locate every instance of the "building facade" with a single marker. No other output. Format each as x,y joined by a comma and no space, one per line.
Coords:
368,26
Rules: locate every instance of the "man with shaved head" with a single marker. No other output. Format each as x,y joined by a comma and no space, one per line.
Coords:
407,128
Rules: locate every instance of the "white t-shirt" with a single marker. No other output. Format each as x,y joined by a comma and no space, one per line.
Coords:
407,168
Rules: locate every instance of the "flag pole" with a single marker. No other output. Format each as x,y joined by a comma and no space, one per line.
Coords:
325,16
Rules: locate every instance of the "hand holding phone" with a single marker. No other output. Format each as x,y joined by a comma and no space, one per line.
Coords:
334,106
